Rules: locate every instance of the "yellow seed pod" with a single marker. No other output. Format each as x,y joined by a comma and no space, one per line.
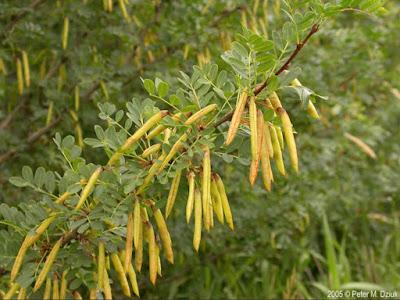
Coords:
47,265
217,202
92,294
276,103
253,127
164,234
175,148
173,192
225,202
190,200
211,212
119,269
63,286
3,68
77,296
139,249
206,188
56,291
20,77
197,220
268,140
201,113
129,242
137,135
277,150
255,162
151,150
89,187
110,5
124,11
153,261
289,137
11,292
77,97
237,115
49,113
159,272
160,128
62,198
65,33
280,136
101,265
131,276
47,289
106,285
137,220
265,162
312,111
27,73
22,294
79,135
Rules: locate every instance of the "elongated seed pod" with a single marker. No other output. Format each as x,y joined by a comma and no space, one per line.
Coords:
289,137
65,33
137,135
151,150
63,286
201,113
197,220
27,73
11,292
89,187
267,136
190,201
124,11
173,192
131,276
361,144
253,127
106,285
47,289
20,77
56,291
22,294
277,151
49,113
119,269
137,220
164,234
29,241
312,111
206,189
77,296
139,249
276,103
153,262
129,242
101,265
159,271
160,128
217,202
265,162
255,162
92,294
150,175
225,202
211,212
280,136
110,5
237,115
47,265
175,148
77,98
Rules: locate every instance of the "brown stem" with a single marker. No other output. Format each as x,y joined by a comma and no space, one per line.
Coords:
284,67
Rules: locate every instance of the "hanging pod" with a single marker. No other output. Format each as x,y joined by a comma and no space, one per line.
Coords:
289,137
131,276
153,260
20,79
277,150
206,188
190,200
225,202
119,269
237,115
63,286
56,291
27,73
197,219
217,202
65,33
256,161
106,285
164,234
89,187
175,148
129,242
312,111
101,265
47,289
173,192
266,170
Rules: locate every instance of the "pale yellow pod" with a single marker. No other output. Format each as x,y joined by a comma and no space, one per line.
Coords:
11,292
289,137
265,162
201,113
197,220
76,295
137,220
124,11
206,188
153,261
62,198
65,33
47,289
225,202
312,111
47,265
77,98
139,249
63,286
175,148
276,103
129,242
153,149
173,192
280,136
160,128
22,294
89,187
106,286
92,294
20,77
237,115
56,291
277,150
253,127
211,212
267,136
150,175
131,276
119,269
255,162
110,5
190,200
27,72
164,234
217,202
101,265
159,272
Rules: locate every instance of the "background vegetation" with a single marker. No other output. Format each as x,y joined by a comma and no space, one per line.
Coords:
335,225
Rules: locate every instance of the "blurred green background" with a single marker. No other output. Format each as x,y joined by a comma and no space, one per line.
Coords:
335,225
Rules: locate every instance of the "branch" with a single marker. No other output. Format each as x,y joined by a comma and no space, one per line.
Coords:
284,67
